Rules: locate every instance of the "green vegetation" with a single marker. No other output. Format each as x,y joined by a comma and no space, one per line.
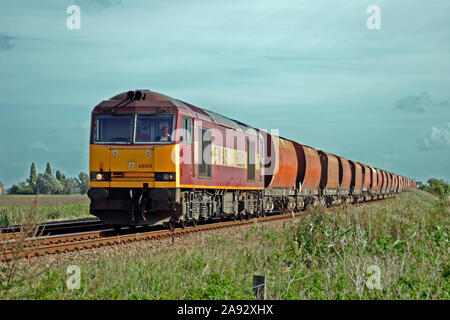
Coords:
14,208
83,182
14,215
437,187
33,175
48,169
325,255
46,183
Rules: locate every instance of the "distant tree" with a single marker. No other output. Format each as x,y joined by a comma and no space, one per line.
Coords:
438,187
26,188
68,184
58,175
14,189
1,187
33,176
48,169
47,184
83,182
21,188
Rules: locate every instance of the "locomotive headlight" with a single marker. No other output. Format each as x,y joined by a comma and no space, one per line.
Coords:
100,176
164,176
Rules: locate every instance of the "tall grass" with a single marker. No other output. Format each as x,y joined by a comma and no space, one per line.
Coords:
13,215
324,255
12,271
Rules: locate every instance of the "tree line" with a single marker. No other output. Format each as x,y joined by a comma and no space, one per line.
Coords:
47,183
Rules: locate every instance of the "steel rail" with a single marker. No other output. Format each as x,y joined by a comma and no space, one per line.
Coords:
53,228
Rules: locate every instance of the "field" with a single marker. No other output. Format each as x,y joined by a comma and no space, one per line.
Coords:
394,249
42,200
48,208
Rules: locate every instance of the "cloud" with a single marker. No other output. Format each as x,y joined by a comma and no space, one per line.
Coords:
39,145
437,138
419,103
6,41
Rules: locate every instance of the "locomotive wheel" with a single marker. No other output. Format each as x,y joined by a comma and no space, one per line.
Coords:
183,224
171,225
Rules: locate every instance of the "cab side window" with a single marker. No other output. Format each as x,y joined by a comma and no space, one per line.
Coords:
186,130
204,167
251,156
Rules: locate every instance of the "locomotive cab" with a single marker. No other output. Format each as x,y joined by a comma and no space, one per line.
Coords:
134,161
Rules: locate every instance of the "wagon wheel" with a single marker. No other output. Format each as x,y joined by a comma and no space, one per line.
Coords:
194,222
183,224
233,217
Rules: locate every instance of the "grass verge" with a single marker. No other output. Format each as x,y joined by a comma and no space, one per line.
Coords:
338,254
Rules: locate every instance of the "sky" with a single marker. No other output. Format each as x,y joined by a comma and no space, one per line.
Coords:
312,69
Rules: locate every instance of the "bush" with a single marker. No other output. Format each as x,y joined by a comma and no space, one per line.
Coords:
437,187
68,184
21,188
48,184
83,182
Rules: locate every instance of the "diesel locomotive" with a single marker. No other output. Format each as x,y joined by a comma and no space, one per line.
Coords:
158,160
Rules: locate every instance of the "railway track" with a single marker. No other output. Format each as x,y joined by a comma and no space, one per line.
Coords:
54,228
82,241
95,239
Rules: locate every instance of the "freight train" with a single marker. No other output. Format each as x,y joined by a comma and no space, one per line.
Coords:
158,160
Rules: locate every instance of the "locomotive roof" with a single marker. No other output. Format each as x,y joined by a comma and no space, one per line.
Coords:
155,99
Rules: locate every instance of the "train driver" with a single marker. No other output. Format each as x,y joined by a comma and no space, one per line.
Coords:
165,135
